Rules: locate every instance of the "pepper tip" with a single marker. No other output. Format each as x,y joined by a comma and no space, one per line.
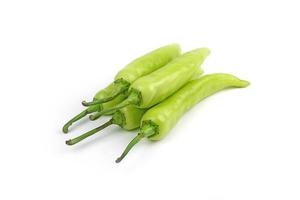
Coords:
65,129
84,103
68,142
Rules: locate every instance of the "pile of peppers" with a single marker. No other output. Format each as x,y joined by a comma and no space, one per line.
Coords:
153,92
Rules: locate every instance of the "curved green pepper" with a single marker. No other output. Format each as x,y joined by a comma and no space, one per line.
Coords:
139,67
160,119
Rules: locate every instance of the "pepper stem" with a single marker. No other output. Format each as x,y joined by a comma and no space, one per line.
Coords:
94,117
129,146
119,87
103,100
89,133
147,130
78,117
133,98
119,106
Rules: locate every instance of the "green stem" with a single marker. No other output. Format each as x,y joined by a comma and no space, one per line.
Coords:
78,117
103,100
134,98
94,117
119,87
146,131
89,133
129,146
119,106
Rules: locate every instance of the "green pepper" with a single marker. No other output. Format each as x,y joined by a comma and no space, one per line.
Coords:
116,92
128,118
151,89
139,67
160,119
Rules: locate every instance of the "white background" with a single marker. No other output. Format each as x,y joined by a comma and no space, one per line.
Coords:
237,144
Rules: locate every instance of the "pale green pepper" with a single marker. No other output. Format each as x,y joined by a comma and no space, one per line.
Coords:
160,119
139,67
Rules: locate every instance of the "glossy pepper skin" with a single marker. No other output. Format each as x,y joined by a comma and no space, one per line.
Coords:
151,89
128,118
160,119
162,83
148,63
116,92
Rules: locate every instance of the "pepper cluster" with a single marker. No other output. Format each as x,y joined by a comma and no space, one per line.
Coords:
152,93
